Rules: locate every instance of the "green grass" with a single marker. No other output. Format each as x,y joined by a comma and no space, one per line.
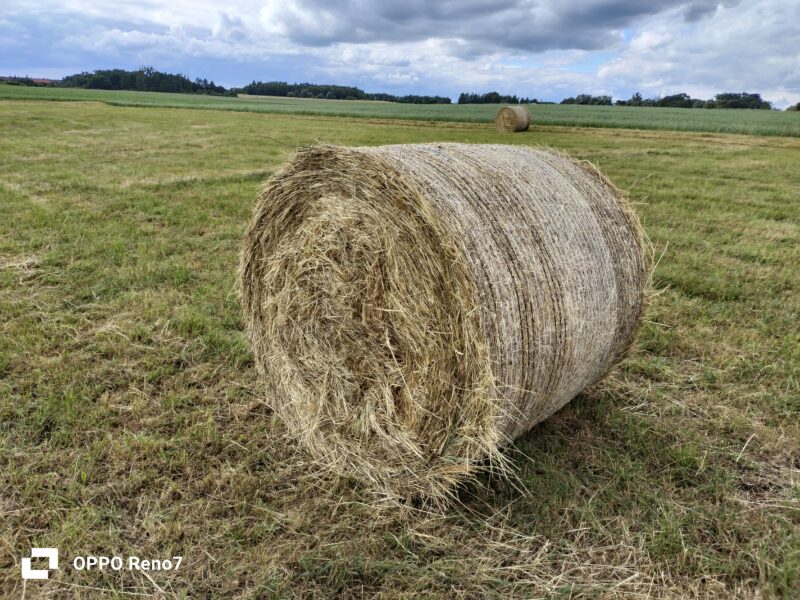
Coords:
756,122
131,421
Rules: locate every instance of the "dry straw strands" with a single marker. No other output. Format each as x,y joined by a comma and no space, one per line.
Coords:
512,118
413,308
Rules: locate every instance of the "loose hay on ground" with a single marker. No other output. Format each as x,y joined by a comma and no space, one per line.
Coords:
414,308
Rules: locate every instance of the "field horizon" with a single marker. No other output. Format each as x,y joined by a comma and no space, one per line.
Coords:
741,121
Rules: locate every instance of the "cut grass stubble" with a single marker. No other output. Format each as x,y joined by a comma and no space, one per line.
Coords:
131,420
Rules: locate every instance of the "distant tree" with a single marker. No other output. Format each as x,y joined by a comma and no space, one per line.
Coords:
741,100
145,79
681,100
588,99
12,80
794,107
332,92
492,98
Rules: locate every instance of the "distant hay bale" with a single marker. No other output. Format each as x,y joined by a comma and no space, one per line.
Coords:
512,118
414,308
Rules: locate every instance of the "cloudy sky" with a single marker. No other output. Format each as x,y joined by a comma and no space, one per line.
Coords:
548,49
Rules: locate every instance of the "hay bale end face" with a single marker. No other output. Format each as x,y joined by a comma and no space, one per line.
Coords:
511,119
414,308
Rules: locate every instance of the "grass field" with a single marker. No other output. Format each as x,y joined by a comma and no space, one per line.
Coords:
757,122
131,421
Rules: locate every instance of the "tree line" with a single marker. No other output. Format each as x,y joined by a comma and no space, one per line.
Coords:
682,100
148,79
145,79
332,92
588,99
493,98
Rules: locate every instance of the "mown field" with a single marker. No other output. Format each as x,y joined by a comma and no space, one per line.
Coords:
755,122
131,421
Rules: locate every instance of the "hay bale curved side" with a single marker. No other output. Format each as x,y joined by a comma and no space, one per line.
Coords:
413,308
511,119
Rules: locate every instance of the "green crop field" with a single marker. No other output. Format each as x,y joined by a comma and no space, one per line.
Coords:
132,423
756,122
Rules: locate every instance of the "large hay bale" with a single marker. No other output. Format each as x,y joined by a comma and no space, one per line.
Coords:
511,119
413,308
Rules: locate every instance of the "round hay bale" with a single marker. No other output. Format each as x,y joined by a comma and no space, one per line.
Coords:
413,308
511,119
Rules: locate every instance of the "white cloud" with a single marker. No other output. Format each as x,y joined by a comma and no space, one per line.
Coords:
750,47
544,48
